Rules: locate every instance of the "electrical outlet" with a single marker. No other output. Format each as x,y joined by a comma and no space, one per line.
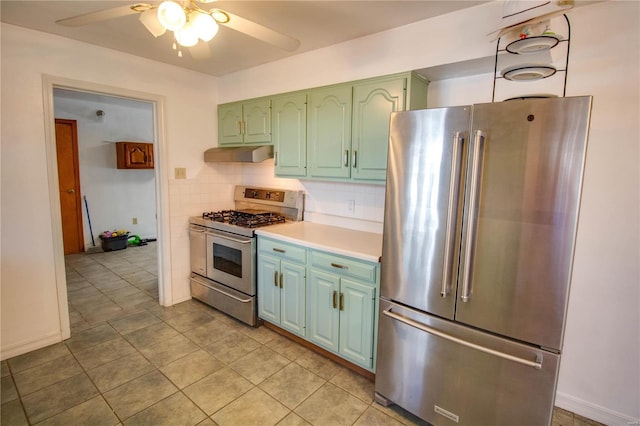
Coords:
351,206
181,173
134,220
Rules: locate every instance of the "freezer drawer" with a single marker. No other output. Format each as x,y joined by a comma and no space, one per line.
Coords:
450,374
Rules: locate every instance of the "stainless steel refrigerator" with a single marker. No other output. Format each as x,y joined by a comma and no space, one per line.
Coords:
480,222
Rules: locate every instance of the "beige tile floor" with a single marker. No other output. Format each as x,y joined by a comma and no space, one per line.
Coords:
130,361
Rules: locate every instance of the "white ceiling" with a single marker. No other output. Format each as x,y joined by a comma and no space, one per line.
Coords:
316,24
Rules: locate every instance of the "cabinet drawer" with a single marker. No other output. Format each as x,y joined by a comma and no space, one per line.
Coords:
283,250
344,265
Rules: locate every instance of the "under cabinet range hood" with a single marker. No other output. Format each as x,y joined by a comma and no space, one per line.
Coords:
240,154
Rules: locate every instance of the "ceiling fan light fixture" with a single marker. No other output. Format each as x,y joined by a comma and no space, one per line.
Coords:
171,15
149,19
206,27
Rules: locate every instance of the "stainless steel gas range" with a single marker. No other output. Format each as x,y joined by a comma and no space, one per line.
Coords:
223,248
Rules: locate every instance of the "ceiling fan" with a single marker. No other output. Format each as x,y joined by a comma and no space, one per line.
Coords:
190,23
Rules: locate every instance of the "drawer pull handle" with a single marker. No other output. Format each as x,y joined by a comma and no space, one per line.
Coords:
337,265
275,278
279,250
342,301
335,299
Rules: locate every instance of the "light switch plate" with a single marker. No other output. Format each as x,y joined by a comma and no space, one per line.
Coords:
181,173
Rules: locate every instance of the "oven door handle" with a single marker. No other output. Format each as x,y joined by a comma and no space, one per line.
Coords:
222,292
229,237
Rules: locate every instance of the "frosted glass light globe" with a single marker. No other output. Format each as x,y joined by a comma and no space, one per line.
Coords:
206,27
171,15
187,36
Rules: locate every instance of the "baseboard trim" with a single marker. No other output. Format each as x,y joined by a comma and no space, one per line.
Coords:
593,411
30,345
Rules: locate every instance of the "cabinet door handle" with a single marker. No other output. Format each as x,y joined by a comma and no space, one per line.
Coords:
275,278
281,280
275,158
355,158
341,301
335,299
345,158
337,265
279,250
239,127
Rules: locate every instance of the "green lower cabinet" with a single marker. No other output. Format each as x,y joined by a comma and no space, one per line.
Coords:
356,321
323,315
340,316
281,293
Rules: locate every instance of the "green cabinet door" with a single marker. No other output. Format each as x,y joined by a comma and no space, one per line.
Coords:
323,310
244,122
292,294
257,121
230,124
268,288
289,127
329,132
373,103
356,322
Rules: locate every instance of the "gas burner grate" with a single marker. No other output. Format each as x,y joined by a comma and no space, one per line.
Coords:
244,219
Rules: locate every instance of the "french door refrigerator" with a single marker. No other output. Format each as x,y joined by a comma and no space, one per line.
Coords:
480,221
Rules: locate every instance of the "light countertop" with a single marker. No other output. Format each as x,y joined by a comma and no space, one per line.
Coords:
347,242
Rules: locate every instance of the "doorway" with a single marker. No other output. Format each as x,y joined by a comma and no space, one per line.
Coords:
69,185
161,187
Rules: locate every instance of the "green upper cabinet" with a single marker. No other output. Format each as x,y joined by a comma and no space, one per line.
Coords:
329,132
372,105
337,132
289,127
348,125
245,122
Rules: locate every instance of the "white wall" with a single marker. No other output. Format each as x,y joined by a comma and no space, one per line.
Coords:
600,370
114,196
29,309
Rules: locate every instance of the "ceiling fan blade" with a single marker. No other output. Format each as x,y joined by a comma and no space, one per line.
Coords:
101,15
200,51
261,32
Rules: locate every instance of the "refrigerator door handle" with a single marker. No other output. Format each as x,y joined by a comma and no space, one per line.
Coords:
474,184
537,364
454,186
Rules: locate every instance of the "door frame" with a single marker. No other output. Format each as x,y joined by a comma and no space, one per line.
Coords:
50,82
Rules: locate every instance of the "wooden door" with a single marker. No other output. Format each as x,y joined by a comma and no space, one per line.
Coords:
69,185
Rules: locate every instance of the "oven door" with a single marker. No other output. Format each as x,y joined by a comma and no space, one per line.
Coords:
231,260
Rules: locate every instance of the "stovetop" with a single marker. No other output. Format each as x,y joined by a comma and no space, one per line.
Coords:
255,207
245,218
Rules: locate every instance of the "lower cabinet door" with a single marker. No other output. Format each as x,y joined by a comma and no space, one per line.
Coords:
268,288
322,309
292,302
356,321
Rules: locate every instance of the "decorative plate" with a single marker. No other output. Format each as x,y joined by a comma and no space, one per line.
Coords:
525,72
532,44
